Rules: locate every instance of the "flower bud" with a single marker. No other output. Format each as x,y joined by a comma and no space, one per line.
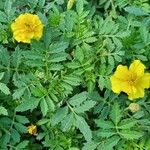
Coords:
134,107
70,4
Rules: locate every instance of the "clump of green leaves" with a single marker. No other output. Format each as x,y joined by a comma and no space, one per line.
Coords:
61,83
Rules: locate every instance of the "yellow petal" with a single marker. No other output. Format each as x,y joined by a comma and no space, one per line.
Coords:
144,81
121,72
137,68
118,85
138,94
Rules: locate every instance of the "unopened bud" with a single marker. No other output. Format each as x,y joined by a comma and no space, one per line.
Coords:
70,4
134,107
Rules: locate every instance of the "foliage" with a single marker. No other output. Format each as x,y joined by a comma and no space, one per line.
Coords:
61,83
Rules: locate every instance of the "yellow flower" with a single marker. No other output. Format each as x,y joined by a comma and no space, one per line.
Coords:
26,27
132,81
134,107
32,129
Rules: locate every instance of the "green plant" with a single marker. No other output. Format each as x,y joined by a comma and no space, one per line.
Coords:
61,83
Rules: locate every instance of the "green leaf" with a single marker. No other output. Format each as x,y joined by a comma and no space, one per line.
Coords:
116,113
84,128
43,121
28,104
58,57
79,55
110,143
78,99
106,133
58,47
44,106
22,119
50,103
101,82
79,6
8,7
86,106
67,122
15,135
90,146
4,89
21,128
127,124
59,116
18,93
3,111
90,40
130,134
111,60
1,75
104,124
22,145
135,11
74,148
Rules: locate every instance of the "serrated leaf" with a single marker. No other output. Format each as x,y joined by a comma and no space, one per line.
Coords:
22,119
79,55
90,146
3,111
1,75
86,106
28,105
106,133
50,103
44,106
15,135
104,124
79,6
101,82
59,116
78,99
4,89
21,128
110,143
18,93
116,113
43,121
84,128
111,60
58,47
67,122
130,134
135,10
22,145
127,124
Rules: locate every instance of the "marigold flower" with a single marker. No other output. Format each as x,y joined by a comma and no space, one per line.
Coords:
132,81
32,129
134,107
26,27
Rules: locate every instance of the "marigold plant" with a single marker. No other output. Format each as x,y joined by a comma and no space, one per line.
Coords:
74,75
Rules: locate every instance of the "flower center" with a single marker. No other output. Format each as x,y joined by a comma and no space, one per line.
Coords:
29,27
132,79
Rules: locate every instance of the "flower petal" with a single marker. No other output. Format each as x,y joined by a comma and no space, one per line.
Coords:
137,68
121,72
139,93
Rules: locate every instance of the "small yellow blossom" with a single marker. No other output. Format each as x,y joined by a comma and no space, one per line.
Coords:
132,81
32,129
134,107
27,27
